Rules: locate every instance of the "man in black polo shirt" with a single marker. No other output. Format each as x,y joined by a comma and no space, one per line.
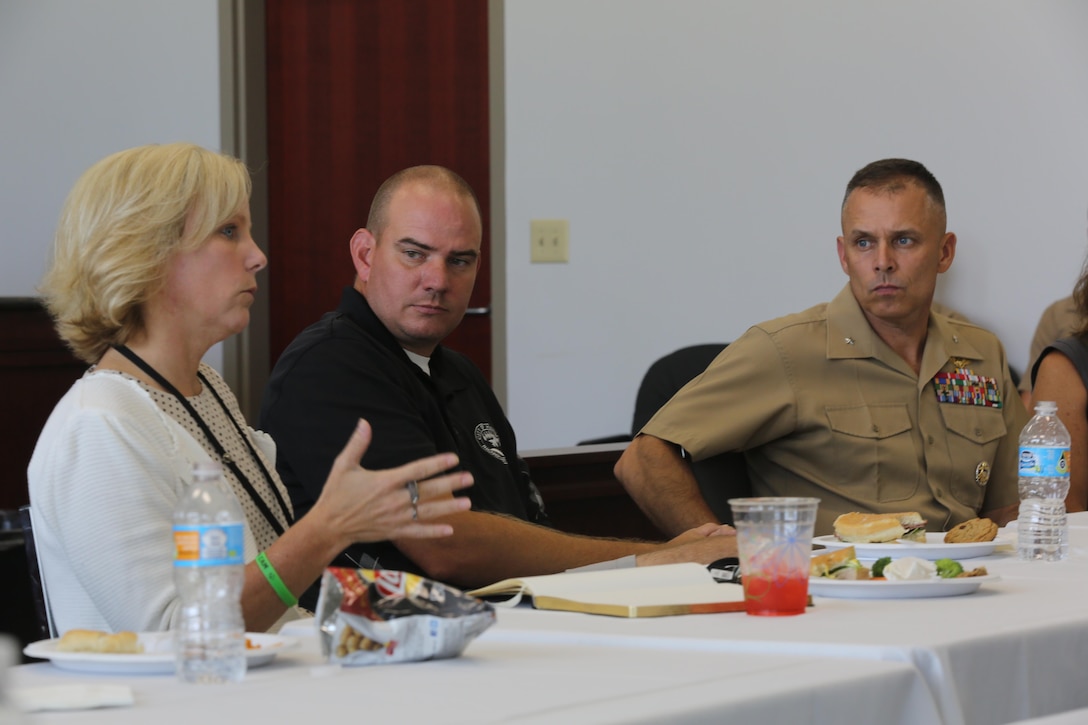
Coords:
378,356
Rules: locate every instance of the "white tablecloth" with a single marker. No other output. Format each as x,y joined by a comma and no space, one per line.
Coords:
525,677
1016,649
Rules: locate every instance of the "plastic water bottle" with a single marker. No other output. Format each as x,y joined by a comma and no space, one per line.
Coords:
210,639
1042,530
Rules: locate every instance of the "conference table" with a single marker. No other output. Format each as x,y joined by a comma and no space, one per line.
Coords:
1015,649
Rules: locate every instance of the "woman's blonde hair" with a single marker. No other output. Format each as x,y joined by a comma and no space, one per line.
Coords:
122,223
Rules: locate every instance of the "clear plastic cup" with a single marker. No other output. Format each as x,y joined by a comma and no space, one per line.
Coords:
774,541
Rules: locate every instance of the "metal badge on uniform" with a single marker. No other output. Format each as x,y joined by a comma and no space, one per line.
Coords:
964,387
982,473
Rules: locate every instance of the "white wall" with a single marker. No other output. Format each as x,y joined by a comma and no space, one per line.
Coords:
700,148
80,79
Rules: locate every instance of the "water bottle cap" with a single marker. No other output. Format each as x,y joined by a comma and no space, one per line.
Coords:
1046,406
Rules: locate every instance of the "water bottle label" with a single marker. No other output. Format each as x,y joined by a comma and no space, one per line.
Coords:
208,544
1048,461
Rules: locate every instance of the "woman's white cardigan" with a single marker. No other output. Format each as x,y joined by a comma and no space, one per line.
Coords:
105,476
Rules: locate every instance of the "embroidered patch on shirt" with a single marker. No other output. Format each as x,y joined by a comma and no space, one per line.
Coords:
488,439
965,388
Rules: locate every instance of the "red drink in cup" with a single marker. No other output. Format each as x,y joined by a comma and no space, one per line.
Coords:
774,541
775,597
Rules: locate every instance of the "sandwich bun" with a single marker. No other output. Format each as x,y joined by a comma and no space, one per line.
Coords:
831,562
862,528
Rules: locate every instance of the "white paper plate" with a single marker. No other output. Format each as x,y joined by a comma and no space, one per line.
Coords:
882,589
933,549
157,657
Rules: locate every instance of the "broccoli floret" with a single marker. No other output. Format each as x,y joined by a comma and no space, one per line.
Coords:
879,564
948,569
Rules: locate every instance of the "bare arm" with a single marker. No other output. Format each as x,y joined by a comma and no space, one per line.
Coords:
1003,515
662,484
488,547
355,505
1058,380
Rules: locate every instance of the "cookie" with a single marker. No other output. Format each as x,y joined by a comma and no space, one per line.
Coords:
973,530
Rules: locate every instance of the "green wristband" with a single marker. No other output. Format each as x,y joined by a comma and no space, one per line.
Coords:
273,578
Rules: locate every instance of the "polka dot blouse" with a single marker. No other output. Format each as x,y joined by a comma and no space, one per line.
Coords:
216,419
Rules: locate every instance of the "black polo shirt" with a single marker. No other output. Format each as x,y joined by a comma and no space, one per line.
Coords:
348,365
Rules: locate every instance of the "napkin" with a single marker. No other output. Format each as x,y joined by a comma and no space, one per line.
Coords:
71,697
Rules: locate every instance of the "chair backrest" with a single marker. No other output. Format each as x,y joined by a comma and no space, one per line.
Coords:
720,477
667,375
37,584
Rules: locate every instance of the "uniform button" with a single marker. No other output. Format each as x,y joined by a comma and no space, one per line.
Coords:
940,493
929,439
876,428
978,432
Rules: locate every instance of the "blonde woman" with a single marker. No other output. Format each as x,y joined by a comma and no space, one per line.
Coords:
153,263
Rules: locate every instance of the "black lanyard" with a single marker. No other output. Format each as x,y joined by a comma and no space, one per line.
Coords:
258,500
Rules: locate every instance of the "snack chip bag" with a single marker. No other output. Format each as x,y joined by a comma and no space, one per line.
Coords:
369,616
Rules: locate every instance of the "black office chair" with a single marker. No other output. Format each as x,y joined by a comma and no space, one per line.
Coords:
37,588
667,375
661,381
720,477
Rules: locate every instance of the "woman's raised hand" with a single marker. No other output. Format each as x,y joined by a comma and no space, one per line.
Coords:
395,503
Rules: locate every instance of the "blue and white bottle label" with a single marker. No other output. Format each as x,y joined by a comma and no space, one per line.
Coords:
208,544
1044,461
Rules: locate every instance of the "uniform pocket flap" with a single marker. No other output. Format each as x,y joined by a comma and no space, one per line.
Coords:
870,421
975,423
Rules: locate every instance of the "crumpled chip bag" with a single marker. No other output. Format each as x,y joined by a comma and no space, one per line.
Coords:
369,616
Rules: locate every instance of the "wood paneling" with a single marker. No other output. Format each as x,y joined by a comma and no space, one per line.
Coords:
36,369
357,90
582,496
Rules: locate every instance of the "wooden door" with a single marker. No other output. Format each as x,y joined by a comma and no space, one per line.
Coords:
357,90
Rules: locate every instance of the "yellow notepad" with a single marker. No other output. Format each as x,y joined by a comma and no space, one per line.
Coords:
646,591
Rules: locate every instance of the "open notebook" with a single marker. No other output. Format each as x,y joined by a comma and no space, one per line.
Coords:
649,591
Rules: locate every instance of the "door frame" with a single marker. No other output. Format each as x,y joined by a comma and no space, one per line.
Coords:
243,122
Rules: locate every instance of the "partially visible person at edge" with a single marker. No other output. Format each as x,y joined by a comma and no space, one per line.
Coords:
870,402
1061,374
1059,320
379,355
153,263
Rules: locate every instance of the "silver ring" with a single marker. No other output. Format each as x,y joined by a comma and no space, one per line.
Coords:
413,496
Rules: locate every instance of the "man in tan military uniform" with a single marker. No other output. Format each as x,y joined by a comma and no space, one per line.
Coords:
869,402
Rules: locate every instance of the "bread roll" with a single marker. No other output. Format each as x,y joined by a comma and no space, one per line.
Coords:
80,640
862,528
91,640
868,528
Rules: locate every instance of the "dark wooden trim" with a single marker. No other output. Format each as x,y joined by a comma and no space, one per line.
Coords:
36,369
582,496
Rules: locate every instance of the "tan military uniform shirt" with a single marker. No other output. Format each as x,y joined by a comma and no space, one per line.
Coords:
823,407
1060,319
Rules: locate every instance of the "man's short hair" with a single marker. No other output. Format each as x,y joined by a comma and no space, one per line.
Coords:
435,175
891,175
